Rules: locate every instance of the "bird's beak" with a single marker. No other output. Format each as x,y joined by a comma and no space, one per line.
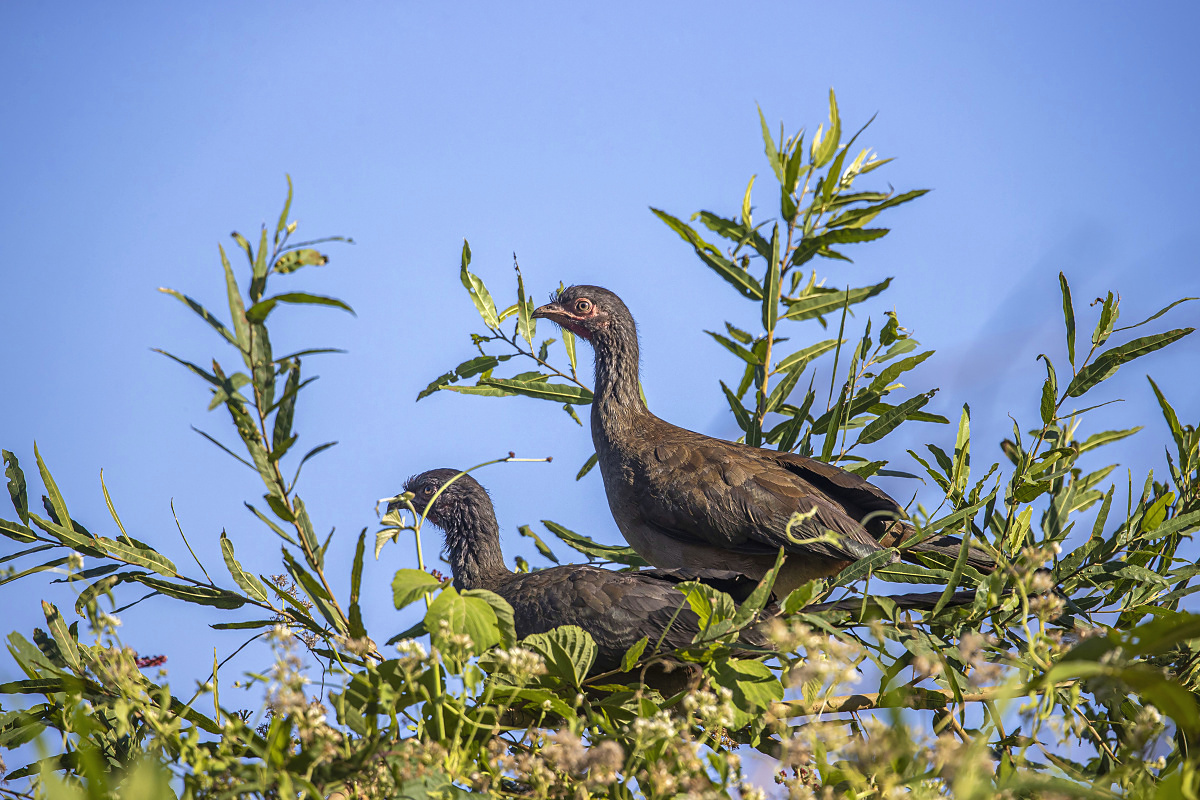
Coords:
551,311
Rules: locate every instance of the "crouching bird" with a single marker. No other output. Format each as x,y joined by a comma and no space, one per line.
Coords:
616,608
682,499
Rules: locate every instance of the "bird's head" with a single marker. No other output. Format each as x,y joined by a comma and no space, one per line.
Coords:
458,492
586,311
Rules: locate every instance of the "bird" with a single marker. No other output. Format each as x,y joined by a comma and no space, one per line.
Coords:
685,500
616,608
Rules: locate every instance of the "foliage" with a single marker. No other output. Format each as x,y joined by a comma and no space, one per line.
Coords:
1071,670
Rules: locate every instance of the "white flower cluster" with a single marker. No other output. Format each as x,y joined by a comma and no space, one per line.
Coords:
522,664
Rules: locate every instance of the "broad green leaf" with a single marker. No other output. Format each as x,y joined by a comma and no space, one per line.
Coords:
249,584
753,685
1110,360
633,654
17,489
710,604
259,311
409,585
503,611
822,303
472,616
569,652
557,392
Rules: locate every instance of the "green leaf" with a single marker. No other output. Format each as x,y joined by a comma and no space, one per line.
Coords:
569,652
819,304
17,531
736,349
1049,392
201,595
1155,316
865,566
739,411
823,149
9,578
249,584
556,392
771,150
800,358
204,314
753,685
17,489
316,592
541,546
1110,360
1108,318
56,499
293,260
67,645
237,310
813,245
593,549
568,340
409,585
858,217
886,422
889,373
475,287
282,430
739,278
281,226
587,466
770,302
503,611
357,630
472,616
270,524
633,654
259,311
1068,315
526,324
308,535
139,555
1106,437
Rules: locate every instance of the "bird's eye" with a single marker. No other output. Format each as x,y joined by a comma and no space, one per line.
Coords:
583,305
427,491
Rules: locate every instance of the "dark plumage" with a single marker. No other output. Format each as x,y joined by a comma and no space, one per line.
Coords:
682,499
616,608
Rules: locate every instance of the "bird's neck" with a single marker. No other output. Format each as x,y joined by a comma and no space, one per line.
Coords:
473,547
618,404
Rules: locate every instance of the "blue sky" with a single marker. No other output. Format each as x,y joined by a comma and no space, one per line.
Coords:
1055,137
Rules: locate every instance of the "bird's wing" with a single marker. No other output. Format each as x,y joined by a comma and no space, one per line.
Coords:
851,491
741,499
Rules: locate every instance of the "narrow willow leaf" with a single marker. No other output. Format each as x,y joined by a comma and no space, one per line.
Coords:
736,349
541,546
889,373
58,562
770,302
825,148
17,531
282,430
1110,360
316,451
865,566
270,524
357,629
475,287
773,157
293,260
316,593
526,324
746,220
1168,413
812,245
308,536
18,491
819,304
1106,437
249,584
237,309
739,411
1155,316
204,314
557,392
56,499
1049,392
783,389
593,549
887,422
587,466
858,217
739,278
962,453
66,642
1068,316
259,311
140,556
801,358
201,595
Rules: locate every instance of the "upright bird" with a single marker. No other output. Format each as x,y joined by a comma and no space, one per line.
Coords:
683,499
616,608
